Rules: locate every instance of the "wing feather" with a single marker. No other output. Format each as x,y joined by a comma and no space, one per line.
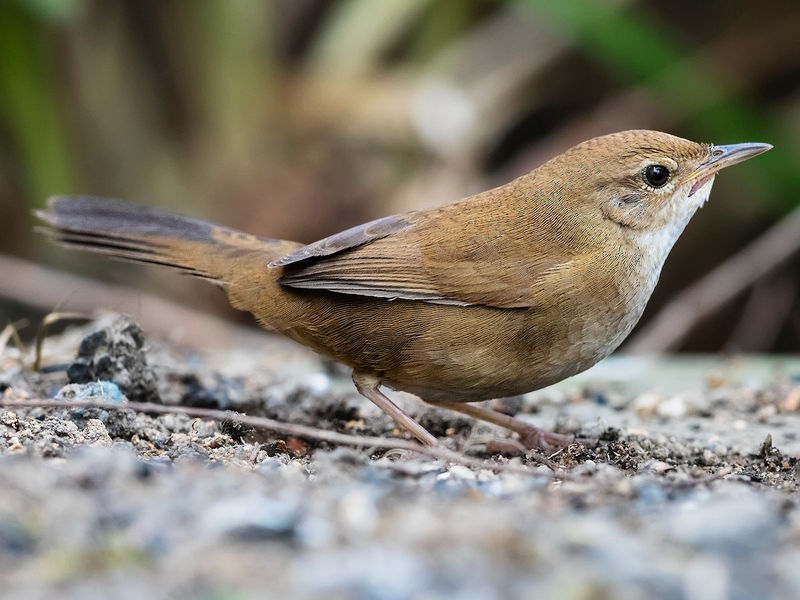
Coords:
499,261
348,239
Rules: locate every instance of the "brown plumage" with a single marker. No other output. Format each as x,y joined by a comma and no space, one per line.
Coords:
499,294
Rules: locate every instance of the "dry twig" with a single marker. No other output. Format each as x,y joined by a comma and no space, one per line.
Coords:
291,429
44,326
5,336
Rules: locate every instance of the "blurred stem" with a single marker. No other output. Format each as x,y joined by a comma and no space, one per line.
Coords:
238,77
443,22
29,107
350,45
644,54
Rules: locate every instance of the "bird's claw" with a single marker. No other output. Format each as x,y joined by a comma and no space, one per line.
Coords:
539,438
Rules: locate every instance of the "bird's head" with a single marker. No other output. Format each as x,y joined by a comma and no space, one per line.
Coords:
648,180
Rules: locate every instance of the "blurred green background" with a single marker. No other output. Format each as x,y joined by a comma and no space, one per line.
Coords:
298,118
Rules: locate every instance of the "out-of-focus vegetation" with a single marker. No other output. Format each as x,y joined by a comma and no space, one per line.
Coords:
298,118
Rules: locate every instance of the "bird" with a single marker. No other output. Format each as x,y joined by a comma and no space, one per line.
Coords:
496,295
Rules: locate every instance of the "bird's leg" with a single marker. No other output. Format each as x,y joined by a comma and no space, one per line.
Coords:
368,386
530,436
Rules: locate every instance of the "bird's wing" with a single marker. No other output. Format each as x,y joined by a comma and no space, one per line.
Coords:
435,257
348,239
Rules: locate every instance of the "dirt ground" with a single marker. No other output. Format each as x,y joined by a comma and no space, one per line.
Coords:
691,493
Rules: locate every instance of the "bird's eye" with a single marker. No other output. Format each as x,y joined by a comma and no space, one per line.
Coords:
656,175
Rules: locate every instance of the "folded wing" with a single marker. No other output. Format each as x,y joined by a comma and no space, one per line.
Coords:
414,257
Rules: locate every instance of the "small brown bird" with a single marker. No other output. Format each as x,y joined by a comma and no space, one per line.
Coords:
502,293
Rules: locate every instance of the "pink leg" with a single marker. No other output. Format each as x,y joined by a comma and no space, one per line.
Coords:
530,436
368,386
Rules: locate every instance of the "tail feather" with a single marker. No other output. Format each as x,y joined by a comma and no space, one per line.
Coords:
136,233
95,215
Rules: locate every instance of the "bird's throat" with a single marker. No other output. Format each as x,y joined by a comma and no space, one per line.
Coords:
700,183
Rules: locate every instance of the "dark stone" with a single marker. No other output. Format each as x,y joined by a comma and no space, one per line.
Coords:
116,354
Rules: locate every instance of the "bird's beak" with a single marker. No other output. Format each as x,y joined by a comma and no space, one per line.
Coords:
724,156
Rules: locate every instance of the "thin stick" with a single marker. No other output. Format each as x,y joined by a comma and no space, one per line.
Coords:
5,336
292,429
44,326
677,319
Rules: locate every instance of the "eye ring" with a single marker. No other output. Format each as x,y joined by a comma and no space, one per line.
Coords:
656,176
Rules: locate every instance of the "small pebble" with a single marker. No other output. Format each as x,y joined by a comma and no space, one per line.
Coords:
96,391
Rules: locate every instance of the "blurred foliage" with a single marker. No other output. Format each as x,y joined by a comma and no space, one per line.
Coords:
29,102
297,118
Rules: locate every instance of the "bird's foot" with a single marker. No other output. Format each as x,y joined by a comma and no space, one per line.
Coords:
534,438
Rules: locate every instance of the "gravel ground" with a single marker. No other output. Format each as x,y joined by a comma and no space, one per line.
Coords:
690,495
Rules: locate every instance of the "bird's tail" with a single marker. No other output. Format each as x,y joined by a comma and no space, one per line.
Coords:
131,232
